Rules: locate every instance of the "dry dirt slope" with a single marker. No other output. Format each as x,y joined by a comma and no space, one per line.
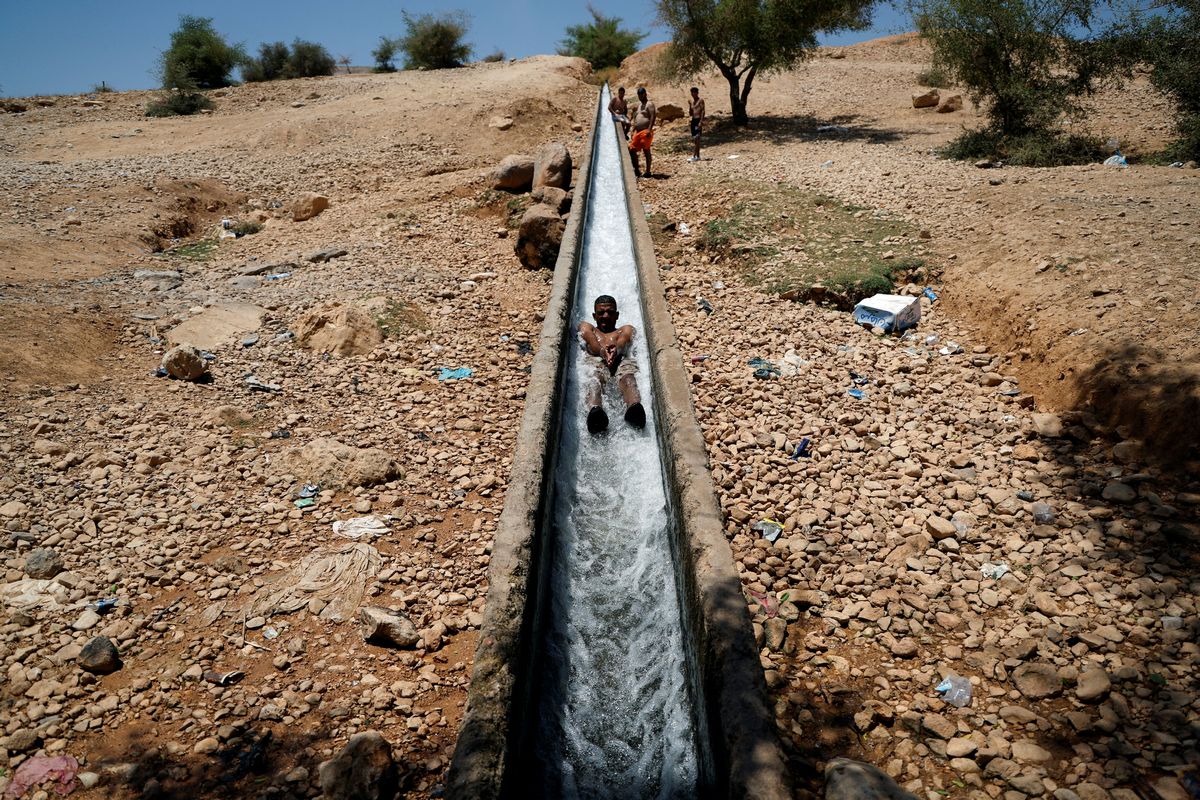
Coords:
172,497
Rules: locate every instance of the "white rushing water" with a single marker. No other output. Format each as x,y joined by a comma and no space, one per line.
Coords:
616,718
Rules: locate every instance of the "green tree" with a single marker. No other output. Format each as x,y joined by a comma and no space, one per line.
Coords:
309,60
602,41
385,54
1027,63
270,64
1170,42
198,58
435,42
746,38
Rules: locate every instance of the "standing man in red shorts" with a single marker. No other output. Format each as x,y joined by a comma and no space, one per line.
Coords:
643,130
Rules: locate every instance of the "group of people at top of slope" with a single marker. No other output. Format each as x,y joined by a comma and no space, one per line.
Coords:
643,119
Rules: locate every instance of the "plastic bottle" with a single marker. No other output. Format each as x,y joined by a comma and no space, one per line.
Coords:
956,691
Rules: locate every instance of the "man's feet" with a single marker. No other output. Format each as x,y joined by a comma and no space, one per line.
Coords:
635,415
693,159
597,420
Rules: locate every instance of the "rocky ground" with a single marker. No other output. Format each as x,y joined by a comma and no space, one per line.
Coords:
180,500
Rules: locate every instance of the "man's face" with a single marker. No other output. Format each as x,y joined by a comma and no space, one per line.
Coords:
606,317
621,93
695,94
642,95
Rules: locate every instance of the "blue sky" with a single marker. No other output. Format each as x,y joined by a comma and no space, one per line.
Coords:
67,46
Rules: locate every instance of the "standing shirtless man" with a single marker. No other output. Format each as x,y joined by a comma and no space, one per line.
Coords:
607,347
619,108
696,120
644,118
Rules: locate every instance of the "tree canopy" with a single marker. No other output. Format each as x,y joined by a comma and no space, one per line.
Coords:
198,57
1170,41
745,38
435,41
1025,62
602,42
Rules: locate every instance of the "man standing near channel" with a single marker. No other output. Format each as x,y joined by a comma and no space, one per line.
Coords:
606,348
644,118
696,120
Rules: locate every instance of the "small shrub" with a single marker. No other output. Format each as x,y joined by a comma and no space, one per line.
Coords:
494,58
201,250
246,228
934,77
102,88
608,75
602,42
198,57
178,104
270,64
309,60
1034,149
385,54
435,41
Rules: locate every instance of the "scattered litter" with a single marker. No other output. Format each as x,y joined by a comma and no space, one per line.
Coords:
932,339
223,678
39,769
857,394
732,157
832,129
1190,781
859,380
994,571
359,527
1025,495
270,633
250,340
524,348
1176,164
768,604
700,359
718,284
1116,160
951,349
802,449
104,606
278,276
827,164
705,306
308,490
955,690
306,502
339,577
250,755
207,356
285,336
684,229
931,294
769,528
791,364
763,369
891,312
255,384
456,374
226,224
160,373
282,433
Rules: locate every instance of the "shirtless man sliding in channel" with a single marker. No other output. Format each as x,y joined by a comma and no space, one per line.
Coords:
607,348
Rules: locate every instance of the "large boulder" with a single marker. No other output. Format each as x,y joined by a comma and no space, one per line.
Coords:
363,770
558,199
854,780
669,111
951,104
333,465
342,330
552,166
99,656
514,173
43,563
308,205
928,100
539,237
184,362
388,627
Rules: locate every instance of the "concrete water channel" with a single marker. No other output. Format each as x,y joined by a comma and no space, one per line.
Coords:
616,659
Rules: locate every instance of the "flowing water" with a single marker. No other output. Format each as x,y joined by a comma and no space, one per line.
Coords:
616,706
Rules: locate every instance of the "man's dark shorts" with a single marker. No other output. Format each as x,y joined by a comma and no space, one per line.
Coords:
695,123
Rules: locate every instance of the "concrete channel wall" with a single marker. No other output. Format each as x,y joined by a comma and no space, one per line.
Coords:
746,758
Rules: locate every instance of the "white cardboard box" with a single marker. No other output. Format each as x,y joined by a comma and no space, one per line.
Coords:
892,312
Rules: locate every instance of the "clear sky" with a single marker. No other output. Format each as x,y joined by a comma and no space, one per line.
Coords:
67,46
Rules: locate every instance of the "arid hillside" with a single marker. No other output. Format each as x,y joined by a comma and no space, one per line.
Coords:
1009,495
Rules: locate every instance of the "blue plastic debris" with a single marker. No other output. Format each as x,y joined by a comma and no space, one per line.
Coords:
857,394
802,449
931,294
456,374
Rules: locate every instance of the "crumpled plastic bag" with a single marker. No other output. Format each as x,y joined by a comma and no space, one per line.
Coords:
371,527
38,769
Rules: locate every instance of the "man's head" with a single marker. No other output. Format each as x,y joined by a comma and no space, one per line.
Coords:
695,92
621,92
604,311
641,93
